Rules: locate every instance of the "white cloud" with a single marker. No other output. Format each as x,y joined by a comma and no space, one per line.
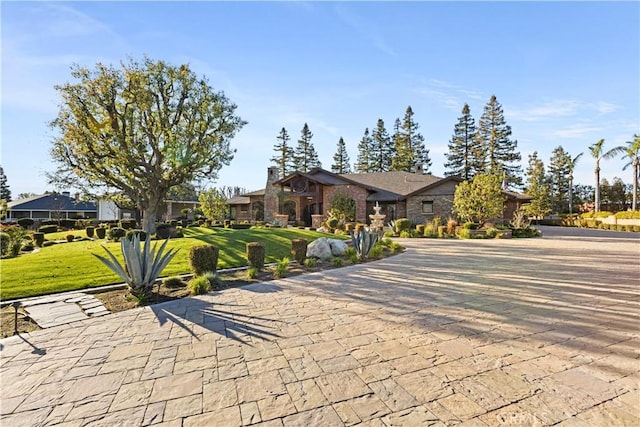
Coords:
556,108
576,131
605,107
364,28
450,95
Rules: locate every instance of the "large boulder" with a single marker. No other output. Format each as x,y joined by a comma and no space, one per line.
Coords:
337,247
320,249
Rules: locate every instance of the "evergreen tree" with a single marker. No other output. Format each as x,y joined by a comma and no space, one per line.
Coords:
461,158
283,159
537,188
410,151
364,153
305,156
617,196
341,159
560,169
5,192
497,152
381,149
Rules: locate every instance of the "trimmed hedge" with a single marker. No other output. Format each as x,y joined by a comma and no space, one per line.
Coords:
116,233
402,224
255,255
299,250
25,222
48,229
203,258
38,238
101,232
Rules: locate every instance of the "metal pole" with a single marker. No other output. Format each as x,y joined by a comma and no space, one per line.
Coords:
15,319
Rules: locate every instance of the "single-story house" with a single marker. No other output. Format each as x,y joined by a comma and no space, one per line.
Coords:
51,206
64,206
305,197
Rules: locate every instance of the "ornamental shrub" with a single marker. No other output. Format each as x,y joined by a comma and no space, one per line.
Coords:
4,243
25,222
90,231
199,285
252,273
420,228
141,234
173,282
48,229
203,258
116,233
402,224
282,266
442,231
299,250
38,238
628,215
255,255
127,224
464,233
70,238
430,231
101,232
310,263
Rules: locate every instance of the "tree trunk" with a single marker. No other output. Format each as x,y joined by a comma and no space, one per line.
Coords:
149,214
634,205
571,193
597,201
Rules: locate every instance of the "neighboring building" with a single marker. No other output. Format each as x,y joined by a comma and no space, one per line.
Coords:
51,206
305,197
63,206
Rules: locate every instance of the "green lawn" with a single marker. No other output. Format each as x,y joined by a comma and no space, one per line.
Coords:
71,266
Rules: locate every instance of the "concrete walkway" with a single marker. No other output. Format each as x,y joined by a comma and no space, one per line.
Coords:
473,333
60,309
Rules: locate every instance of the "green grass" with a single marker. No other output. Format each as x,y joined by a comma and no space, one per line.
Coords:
71,266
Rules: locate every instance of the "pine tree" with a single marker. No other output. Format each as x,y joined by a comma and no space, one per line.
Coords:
341,159
381,149
5,192
410,151
284,154
537,188
462,156
305,156
497,152
364,153
560,166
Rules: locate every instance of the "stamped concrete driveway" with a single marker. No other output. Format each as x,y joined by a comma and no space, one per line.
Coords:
479,332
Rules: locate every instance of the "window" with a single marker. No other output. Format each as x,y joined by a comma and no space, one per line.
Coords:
427,207
244,208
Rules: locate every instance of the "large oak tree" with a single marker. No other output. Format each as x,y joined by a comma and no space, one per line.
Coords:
141,129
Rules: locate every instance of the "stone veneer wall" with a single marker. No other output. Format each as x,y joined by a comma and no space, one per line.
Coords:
442,198
271,195
442,207
358,194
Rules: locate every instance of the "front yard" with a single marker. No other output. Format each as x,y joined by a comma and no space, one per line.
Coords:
71,266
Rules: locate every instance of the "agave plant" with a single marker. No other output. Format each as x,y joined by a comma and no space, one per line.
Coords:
142,265
363,241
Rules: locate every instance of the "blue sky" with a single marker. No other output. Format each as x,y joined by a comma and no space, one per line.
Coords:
565,73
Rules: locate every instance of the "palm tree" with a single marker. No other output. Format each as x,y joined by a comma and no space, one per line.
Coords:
631,152
597,153
572,166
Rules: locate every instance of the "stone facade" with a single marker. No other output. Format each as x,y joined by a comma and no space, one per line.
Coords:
358,194
441,197
271,195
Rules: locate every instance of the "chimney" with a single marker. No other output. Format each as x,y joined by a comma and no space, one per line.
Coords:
420,169
271,195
